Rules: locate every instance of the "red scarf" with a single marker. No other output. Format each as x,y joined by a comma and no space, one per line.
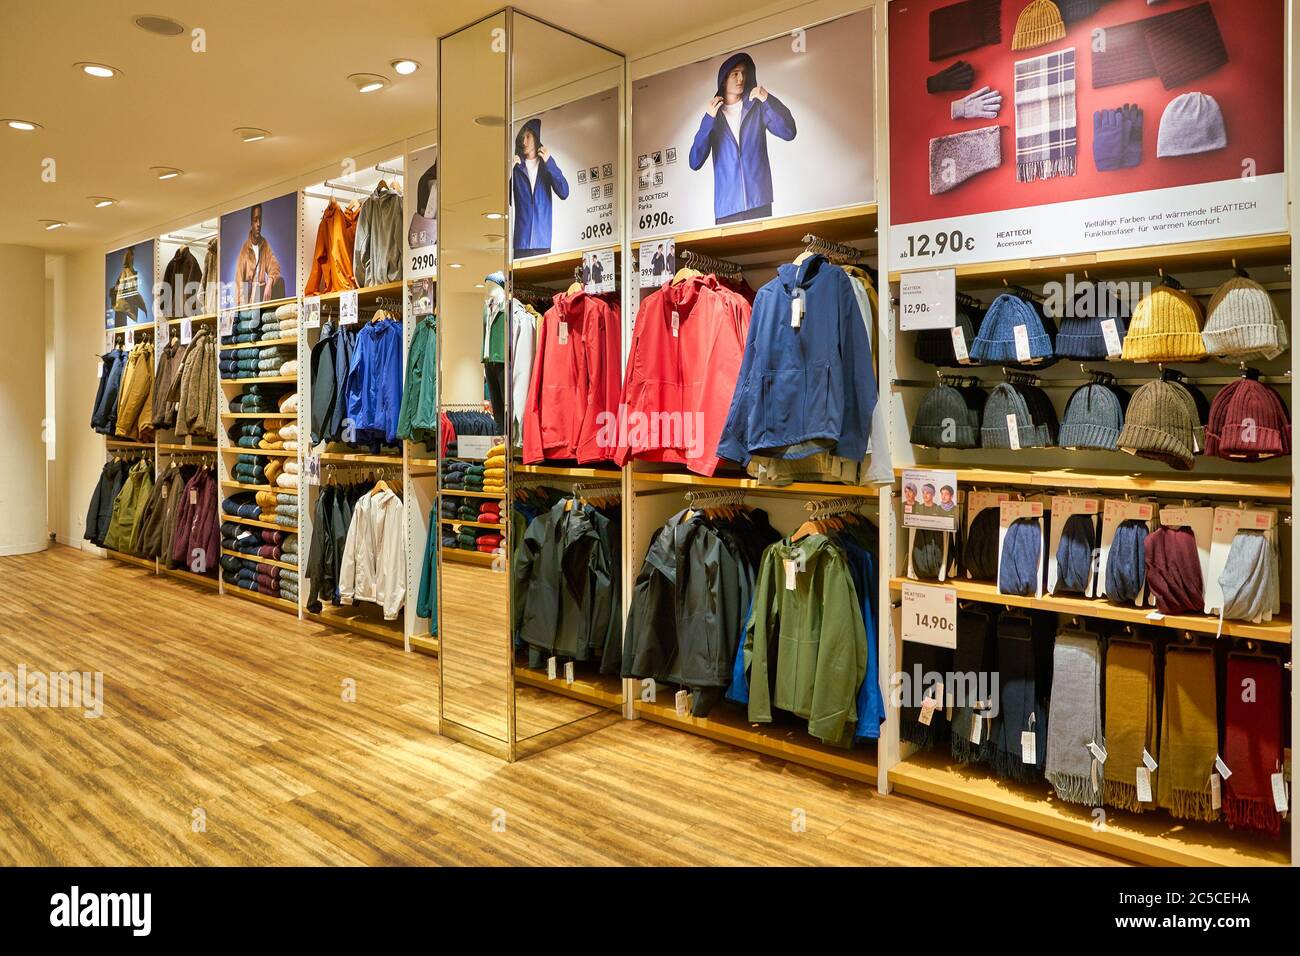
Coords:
1253,749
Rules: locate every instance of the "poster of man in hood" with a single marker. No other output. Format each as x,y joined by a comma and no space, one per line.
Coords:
774,128
259,252
563,191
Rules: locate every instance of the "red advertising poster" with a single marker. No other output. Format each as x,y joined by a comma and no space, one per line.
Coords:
1026,128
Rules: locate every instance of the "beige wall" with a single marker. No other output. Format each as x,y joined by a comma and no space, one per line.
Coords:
22,401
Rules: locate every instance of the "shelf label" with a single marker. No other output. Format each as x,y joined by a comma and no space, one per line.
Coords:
226,322
475,447
930,614
927,300
348,308
311,311
187,331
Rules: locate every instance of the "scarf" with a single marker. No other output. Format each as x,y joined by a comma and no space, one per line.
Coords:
1021,548
973,657
1252,746
959,156
925,659
1020,702
1126,562
1046,140
1189,734
1130,719
981,559
1177,46
1173,566
1074,719
1249,578
1074,554
964,26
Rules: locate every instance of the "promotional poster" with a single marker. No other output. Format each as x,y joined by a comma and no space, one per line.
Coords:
1019,131
129,279
658,262
563,187
771,129
259,252
422,214
930,500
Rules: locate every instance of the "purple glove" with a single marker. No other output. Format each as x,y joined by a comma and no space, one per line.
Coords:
1108,139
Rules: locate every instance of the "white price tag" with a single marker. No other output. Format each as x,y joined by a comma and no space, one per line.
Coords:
1221,767
930,614
194,496
796,311
1143,776
99,370
677,324
1110,332
226,323
1149,761
1028,747
791,572
1022,343
1216,792
311,312
1280,802
568,672
552,667
976,728
1097,751
563,333
927,300
959,348
682,703
187,331
927,711
1013,432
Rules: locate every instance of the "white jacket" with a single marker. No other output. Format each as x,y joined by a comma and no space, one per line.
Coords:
523,342
374,557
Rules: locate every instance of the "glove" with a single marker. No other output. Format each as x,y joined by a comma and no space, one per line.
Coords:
983,104
1132,153
1108,139
959,76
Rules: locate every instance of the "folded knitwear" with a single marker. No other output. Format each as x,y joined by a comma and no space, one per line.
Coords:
957,157
964,26
1178,46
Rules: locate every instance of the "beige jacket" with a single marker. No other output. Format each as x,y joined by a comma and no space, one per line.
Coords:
257,274
135,396
374,557
196,413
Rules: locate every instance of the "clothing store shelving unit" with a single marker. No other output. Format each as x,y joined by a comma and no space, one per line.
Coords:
1153,837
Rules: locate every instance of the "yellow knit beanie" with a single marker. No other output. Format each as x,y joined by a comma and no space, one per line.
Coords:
1166,327
1039,23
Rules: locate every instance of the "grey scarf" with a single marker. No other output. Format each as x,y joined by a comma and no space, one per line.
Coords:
1074,719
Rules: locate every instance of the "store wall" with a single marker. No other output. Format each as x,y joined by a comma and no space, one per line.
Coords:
22,401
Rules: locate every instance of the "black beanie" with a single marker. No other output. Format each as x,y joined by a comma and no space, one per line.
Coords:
1021,549
1074,554
934,346
1126,562
927,553
981,559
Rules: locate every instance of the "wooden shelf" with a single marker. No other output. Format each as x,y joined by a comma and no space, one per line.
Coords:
205,317
1277,631
358,458
554,268
257,523
258,559
841,225
203,580
259,344
1121,481
364,619
1172,257
784,740
364,293
266,379
470,524
461,556
289,415
264,452
201,449
1153,838
237,486
611,474
489,495
276,602
596,691
262,306
127,443
148,563
800,489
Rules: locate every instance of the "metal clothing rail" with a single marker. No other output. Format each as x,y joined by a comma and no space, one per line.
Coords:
834,251
706,263
1284,380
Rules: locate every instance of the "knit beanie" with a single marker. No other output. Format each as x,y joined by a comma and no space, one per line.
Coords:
1166,327
1173,566
1074,554
934,346
1192,123
1161,425
945,421
1126,562
1043,413
1242,322
996,342
1248,422
1093,419
1021,548
927,553
1008,400
1082,338
981,557
1039,23
1249,578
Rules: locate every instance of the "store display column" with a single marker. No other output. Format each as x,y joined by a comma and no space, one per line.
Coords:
22,401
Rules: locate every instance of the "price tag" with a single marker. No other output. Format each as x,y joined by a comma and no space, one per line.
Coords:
128,338
930,614
552,667
791,572
1149,761
311,312
164,493
976,728
1144,786
600,264
1257,520
1280,802
187,331
348,308
959,348
99,370
568,672
1013,432
677,324
796,311
562,332
1216,792
928,300
194,496
1221,767
682,703
1028,747
1098,752
1022,343
226,323
927,711
1110,332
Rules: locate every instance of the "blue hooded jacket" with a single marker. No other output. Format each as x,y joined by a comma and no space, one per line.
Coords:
533,203
742,175
374,389
807,387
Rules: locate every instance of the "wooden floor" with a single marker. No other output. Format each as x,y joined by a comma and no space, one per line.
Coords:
229,713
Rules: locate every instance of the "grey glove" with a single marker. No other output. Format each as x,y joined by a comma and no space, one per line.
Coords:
983,104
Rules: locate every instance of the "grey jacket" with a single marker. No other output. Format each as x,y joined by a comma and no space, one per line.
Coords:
197,414
167,385
377,249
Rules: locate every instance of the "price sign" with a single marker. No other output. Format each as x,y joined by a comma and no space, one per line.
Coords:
926,245
928,300
227,321
658,262
311,311
128,338
654,220
598,272
930,614
187,331
348,308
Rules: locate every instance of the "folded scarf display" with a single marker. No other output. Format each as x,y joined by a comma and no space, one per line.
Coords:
964,26
1253,748
1173,569
1130,720
1047,143
972,656
1074,719
1126,562
1020,700
1021,552
1074,554
1189,734
1178,46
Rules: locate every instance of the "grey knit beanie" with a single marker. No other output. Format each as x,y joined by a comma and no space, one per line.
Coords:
1093,419
1192,123
1242,322
1007,400
944,420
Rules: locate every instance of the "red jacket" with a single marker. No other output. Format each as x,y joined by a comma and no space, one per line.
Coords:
689,374
574,390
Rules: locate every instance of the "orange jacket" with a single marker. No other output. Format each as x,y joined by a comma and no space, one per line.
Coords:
331,265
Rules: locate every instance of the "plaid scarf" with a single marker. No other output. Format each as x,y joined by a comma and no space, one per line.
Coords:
1046,139
1189,734
1252,746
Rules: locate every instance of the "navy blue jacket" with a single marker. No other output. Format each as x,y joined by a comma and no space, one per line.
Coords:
103,417
374,390
532,202
742,175
807,389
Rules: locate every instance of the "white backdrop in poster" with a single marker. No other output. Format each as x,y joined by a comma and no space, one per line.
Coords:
822,75
422,213
582,138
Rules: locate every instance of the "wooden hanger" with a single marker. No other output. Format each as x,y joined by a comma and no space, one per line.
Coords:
684,273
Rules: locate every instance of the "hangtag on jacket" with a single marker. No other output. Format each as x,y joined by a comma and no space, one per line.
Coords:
796,309
677,324
563,332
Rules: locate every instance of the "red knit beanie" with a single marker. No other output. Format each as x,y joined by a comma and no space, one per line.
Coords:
1173,567
1248,422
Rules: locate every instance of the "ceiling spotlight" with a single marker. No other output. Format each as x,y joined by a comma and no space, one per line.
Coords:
102,202
251,134
98,70
494,215
454,265
405,67
479,285
23,126
52,224
165,172
368,82
163,26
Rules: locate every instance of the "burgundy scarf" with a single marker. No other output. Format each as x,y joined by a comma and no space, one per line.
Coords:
1253,748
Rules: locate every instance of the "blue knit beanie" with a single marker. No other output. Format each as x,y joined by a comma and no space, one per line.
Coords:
1094,416
1021,548
996,342
1074,554
1126,562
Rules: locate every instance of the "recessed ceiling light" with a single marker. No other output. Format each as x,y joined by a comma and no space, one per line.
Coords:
52,224
405,67
251,134
98,70
494,215
479,285
490,120
493,236
165,172
455,265
23,126
368,82
102,202
163,26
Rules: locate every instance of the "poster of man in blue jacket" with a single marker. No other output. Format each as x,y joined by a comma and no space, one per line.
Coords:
734,130
534,179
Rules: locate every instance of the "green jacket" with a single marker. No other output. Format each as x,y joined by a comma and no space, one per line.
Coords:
127,507
812,637
418,419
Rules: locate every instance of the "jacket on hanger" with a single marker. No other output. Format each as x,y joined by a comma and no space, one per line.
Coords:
167,384
158,520
100,512
374,555
135,397
331,360
197,529
523,350
196,412
378,254
127,506
417,421
331,264
182,286
103,415
211,293
373,397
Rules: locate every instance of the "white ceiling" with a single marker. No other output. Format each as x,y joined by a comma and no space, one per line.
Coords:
273,64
